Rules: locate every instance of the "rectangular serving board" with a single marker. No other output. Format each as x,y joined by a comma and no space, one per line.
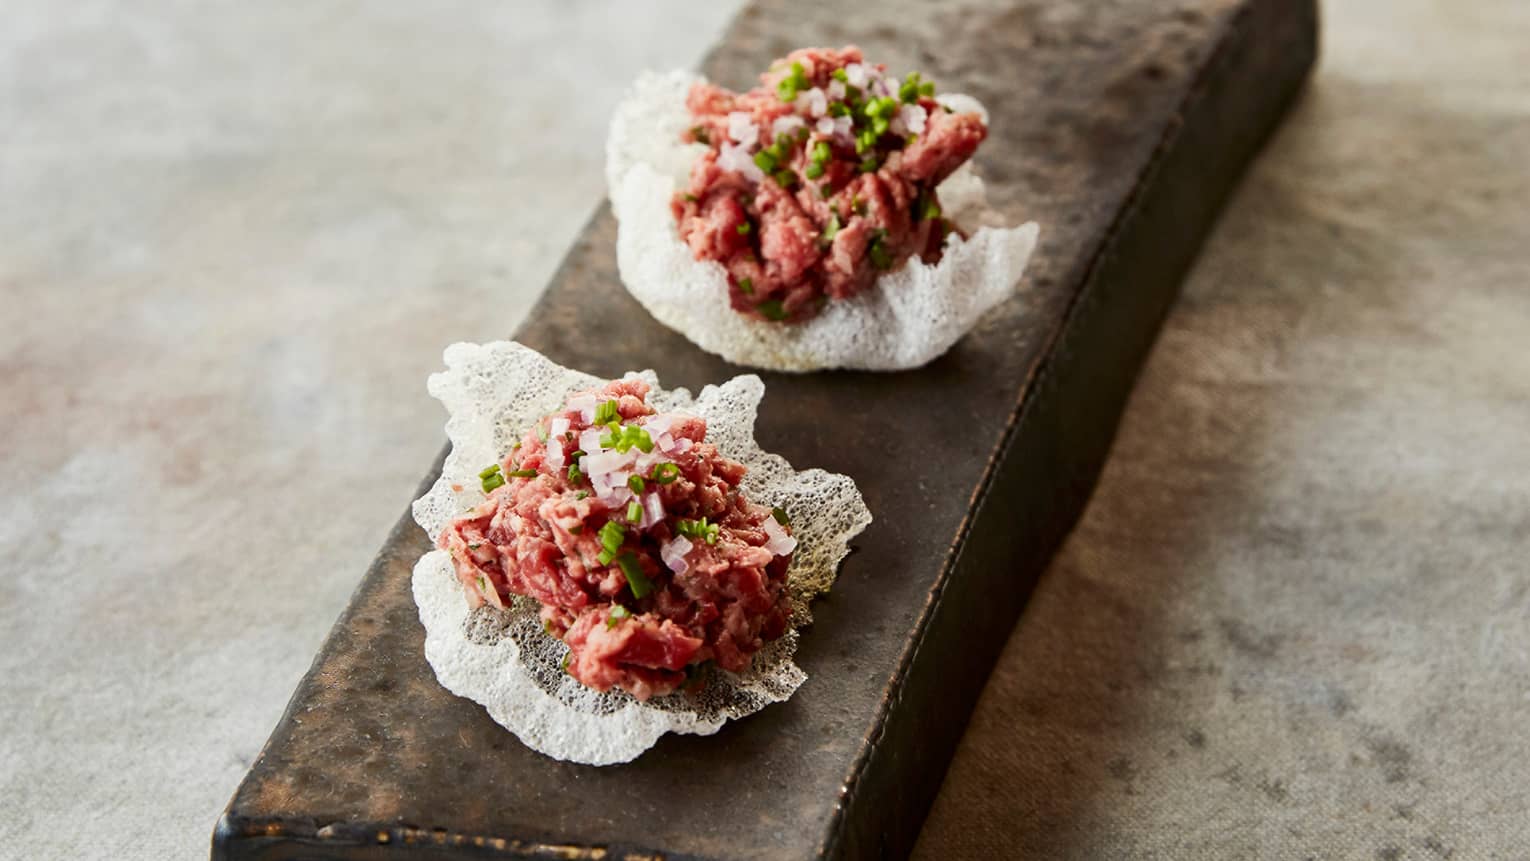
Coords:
1121,127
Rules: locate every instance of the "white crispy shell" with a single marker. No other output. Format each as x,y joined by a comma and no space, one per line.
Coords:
505,661
910,317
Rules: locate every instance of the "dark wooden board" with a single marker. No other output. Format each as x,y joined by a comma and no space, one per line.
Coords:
1121,127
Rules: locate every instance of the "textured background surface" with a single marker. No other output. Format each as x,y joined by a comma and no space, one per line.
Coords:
1295,620
233,242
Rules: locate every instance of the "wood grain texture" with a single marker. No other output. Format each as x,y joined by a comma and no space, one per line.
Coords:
1120,127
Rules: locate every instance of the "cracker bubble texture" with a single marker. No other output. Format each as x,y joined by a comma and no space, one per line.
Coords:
907,319
503,660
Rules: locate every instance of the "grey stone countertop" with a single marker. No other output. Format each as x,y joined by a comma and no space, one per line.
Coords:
1294,622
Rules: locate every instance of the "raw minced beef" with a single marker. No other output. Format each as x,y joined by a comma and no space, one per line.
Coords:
631,531
819,180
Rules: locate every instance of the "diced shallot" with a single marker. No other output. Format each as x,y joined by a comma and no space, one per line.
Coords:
737,159
584,405
817,103
653,511
913,117
786,125
742,129
673,553
778,542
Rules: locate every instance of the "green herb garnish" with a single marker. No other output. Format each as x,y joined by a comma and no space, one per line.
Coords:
877,253
831,229
523,473
779,514
611,537
790,85
618,613
664,473
743,229
636,579
624,437
634,511
606,412
698,529
491,478
636,483
745,286
772,309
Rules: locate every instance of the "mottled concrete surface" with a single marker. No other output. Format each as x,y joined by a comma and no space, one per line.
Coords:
234,237
1295,621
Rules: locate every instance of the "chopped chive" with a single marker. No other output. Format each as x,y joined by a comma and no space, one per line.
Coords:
688,197
611,537
927,89
869,164
699,529
605,557
636,483
665,473
636,579
779,514
606,411
746,286
772,310
574,473
491,478
931,207
838,74
634,511
765,161
838,109
831,229
567,657
583,494
878,255
541,433
523,473
624,438
789,85
617,614
743,229
813,171
700,134
488,471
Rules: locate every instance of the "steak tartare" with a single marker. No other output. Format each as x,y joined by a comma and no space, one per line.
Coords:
630,530
818,180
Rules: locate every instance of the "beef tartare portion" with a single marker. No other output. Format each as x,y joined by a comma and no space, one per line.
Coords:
630,529
818,180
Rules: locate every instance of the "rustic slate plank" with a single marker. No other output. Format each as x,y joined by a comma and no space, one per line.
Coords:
1121,127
